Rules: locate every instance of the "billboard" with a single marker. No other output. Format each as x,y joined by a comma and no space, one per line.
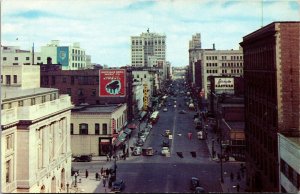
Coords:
224,83
112,82
63,55
145,99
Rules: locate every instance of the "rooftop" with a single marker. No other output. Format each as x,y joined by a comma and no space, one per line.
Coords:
96,108
10,93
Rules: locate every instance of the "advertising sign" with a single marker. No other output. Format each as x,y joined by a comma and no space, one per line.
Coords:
224,83
112,83
63,55
145,99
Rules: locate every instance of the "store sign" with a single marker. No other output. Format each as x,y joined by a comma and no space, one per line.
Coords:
113,125
112,83
224,83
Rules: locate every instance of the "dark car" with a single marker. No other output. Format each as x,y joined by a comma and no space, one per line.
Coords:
199,190
118,186
83,158
182,112
194,183
165,143
139,142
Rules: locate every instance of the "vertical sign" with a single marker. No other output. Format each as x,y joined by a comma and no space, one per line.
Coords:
63,55
145,97
113,125
112,83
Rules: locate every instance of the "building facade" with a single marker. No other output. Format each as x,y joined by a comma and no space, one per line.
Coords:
70,57
271,74
289,157
93,128
83,86
35,138
147,45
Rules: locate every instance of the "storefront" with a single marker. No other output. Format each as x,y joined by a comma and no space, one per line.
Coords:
104,146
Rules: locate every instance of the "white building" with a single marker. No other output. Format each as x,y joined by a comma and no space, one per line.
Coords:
93,127
70,57
138,96
145,45
289,165
228,63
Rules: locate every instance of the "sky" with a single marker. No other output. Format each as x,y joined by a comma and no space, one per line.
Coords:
104,27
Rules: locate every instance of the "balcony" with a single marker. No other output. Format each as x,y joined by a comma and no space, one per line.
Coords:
35,111
41,110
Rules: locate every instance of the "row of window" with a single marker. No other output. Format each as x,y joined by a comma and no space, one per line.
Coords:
74,51
17,58
232,64
80,65
8,79
78,58
155,42
224,57
84,129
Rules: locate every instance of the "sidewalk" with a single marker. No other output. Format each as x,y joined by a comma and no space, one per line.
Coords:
228,185
90,185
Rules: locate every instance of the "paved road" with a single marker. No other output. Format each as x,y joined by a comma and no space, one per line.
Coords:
169,174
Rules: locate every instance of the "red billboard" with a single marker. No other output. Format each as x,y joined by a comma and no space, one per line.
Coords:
112,83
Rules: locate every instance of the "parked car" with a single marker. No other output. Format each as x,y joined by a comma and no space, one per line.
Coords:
137,151
165,151
194,183
199,190
83,158
166,143
143,137
182,112
139,142
165,109
118,186
168,132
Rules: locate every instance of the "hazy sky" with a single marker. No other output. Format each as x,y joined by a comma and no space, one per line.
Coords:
104,27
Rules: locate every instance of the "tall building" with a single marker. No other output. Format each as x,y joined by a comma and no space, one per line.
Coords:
271,74
13,55
147,45
194,55
35,138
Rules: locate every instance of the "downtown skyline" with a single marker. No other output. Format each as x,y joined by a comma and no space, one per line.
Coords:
103,28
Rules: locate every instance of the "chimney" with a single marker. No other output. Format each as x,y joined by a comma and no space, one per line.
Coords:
49,61
214,46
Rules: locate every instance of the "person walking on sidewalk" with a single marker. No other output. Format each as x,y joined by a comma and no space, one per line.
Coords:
86,173
104,181
190,135
238,188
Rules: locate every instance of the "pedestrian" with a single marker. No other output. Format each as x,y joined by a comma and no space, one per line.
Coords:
104,181
97,176
238,188
86,173
107,157
107,172
190,135
231,176
214,153
101,171
238,176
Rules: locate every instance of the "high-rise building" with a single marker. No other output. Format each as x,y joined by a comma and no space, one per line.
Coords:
272,85
145,45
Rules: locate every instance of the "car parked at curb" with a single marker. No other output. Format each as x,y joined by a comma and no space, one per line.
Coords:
118,186
165,151
83,158
194,183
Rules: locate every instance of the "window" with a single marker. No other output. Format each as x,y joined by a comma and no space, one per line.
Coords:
53,80
38,58
83,129
27,58
97,128
8,174
4,58
1,78
64,80
16,58
93,92
145,76
32,101
80,92
69,91
7,79
20,103
15,79
9,142
72,80
72,128
104,129
43,99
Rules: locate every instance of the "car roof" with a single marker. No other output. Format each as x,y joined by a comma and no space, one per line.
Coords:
195,178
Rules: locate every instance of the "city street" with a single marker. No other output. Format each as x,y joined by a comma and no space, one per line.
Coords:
159,173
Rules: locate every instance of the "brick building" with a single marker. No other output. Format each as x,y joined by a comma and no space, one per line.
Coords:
271,73
83,86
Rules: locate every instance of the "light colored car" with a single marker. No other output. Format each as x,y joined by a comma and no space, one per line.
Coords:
165,109
137,151
165,151
143,137
168,132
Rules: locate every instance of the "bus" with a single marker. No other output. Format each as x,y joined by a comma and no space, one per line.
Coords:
154,117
